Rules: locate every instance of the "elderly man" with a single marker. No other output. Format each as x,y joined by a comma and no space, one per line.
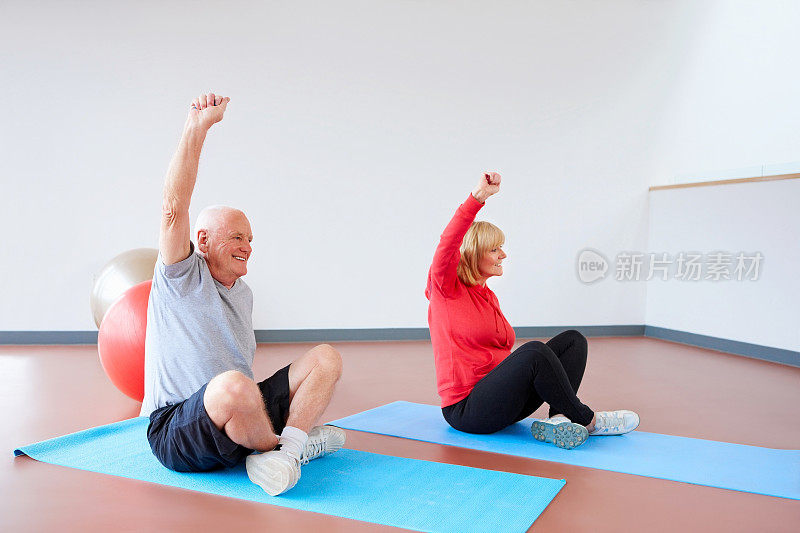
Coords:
206,411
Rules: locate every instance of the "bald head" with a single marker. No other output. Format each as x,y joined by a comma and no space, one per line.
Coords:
217,217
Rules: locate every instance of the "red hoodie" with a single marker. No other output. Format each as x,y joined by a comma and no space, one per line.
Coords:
469,333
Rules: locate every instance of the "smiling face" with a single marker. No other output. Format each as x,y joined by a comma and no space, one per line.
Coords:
224,237
481,253
491,263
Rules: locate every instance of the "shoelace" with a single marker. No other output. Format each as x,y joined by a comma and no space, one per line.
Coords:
315,449
609,421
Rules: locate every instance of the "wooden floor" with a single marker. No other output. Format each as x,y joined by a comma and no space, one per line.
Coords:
677,390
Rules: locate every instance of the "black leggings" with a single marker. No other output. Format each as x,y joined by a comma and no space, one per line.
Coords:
533,374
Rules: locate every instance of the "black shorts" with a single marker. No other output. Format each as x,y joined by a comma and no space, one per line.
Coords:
183,437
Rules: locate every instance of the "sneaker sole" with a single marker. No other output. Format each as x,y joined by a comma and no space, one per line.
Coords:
275,477
566,435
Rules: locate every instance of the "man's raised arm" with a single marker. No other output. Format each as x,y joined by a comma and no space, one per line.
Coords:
173,242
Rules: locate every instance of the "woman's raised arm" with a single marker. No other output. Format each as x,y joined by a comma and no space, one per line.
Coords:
443,275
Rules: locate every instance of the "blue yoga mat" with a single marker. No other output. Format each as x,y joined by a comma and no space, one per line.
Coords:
702,462
393,491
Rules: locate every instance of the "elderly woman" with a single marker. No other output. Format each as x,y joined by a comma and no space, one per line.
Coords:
483,385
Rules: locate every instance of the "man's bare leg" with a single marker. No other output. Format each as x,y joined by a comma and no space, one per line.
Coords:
312,379
235,405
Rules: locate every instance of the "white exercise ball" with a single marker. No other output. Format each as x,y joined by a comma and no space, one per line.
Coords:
120,274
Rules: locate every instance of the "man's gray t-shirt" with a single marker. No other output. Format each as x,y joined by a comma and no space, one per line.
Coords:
196,329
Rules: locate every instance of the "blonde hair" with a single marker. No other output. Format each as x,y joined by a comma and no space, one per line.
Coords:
481,237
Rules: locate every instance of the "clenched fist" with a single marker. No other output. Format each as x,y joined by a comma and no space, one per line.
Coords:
488,185
207,110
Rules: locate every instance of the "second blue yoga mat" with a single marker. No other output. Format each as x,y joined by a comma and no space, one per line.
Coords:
703,462
394,491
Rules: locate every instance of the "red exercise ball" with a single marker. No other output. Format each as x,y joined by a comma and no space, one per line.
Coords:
120,341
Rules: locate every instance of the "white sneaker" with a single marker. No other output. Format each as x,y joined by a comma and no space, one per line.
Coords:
559,431
275,471
322,440
615,422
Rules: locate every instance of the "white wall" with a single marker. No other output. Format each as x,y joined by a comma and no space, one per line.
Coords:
749,218
734,109
354,130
